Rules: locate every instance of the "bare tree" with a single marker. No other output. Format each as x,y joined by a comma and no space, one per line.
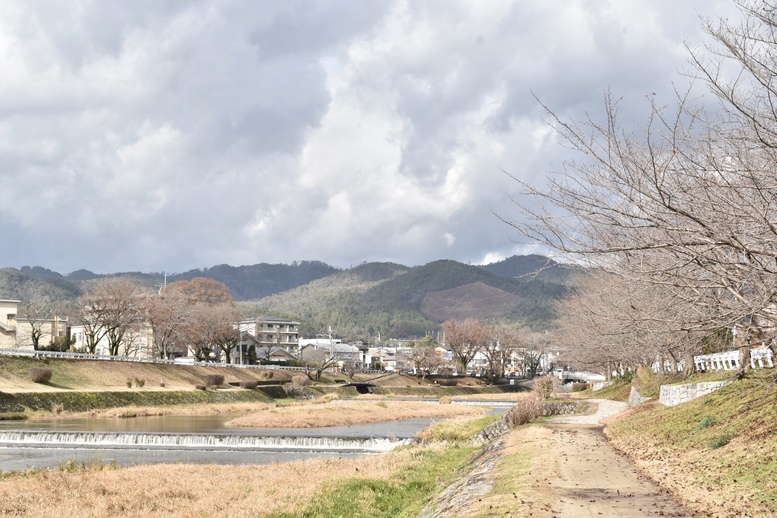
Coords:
687,202
212,332
113,310
168,313
201,290
317,361
425,359
502,342
465,339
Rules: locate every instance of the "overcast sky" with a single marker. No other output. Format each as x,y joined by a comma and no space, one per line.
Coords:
169,135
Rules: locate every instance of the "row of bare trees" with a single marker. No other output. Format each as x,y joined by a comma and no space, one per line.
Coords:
501,344
198,315
679,217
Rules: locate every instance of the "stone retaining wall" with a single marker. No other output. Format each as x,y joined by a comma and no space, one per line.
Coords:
549,408
635,398
672,395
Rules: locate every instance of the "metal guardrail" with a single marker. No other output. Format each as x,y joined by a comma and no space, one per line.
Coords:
103,357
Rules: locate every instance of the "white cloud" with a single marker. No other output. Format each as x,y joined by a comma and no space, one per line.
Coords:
151,135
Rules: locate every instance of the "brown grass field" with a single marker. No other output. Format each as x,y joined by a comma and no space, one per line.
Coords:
182,490
347,413
186,490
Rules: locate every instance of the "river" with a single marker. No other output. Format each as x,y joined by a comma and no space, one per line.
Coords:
191,439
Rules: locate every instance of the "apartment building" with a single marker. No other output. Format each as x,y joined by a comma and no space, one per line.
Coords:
270,332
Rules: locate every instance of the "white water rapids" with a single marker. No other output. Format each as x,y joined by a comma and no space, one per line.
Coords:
58,439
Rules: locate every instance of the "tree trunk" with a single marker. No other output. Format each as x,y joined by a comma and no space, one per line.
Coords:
744,361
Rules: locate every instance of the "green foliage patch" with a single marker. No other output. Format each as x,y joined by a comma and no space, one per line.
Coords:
401,495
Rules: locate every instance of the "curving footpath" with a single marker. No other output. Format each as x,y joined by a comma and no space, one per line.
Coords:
572,472
577,473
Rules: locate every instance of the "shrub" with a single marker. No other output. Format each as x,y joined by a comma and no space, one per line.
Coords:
527,409
249,384
300,380
445,400
139,382
721,441
57,408
546,386
706,422
129,382
199,386
579,387
40,374
296,387
213,380
162,383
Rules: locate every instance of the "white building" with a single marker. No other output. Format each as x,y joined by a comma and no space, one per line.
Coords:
16,332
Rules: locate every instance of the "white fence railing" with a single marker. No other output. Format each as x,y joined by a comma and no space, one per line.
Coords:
729,360
85,356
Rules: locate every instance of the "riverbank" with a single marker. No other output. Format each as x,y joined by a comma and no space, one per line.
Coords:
396,483
85,385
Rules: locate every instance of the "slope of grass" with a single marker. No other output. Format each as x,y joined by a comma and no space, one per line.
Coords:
718,448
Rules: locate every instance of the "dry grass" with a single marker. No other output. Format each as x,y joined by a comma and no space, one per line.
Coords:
138,411
504,396
347,413
89,375
184,490
299,414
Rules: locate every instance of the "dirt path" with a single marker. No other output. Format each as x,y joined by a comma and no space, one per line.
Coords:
570,471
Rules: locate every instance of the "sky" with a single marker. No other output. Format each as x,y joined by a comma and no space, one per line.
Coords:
164,136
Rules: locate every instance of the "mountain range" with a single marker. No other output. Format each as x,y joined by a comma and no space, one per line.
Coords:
357,303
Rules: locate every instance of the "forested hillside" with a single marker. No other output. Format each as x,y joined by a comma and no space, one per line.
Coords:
358,303
406,302
260,280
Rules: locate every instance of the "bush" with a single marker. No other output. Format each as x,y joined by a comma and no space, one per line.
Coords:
706,422
213,380
40,374
527,409
296,391
200,387
296,387
249,384
579,387
546,386
300,380
721,441
139,382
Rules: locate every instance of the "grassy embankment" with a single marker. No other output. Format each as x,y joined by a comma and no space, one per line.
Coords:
81,386
717,454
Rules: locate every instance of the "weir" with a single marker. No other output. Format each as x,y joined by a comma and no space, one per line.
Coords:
199,442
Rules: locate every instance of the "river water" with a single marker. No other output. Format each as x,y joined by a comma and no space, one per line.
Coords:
190,439
37,443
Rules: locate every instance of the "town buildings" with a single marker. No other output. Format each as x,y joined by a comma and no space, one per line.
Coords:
21,332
